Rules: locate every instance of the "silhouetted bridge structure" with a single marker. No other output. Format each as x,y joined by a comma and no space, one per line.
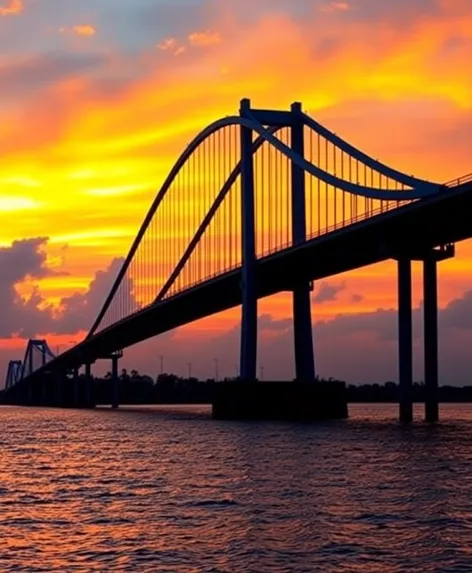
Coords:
259,203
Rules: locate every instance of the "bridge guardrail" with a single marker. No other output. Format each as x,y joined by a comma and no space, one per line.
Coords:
459,181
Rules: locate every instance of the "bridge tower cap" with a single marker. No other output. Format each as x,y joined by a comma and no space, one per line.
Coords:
296,106
245,104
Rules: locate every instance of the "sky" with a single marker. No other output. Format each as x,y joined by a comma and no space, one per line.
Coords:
98,99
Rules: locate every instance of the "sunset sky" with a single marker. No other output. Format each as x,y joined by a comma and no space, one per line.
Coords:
98,99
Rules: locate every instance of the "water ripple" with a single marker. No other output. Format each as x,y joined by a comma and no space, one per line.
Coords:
178,492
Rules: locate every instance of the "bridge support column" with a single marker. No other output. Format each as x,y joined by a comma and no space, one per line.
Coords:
43,390
76,398
114,381
302,326
88,386
430,294
405,340
58,390
29,395
248,356
430,303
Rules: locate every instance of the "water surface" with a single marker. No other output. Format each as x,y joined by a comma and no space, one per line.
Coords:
175,491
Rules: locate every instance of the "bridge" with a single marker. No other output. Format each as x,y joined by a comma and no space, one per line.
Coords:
259,203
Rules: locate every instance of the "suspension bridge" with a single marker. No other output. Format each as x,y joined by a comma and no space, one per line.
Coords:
260,203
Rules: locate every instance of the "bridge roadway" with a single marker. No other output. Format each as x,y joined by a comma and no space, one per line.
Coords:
409,230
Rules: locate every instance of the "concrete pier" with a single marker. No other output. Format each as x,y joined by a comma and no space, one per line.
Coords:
241,400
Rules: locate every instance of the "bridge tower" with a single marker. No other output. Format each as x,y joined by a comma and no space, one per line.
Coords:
302,327
248,359
303,336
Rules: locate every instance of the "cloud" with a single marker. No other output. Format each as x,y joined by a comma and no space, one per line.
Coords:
203,39
24,310
23,315
266,322
79,311
196,39
328,292
39,72
172,46
334,6
12,8
79,30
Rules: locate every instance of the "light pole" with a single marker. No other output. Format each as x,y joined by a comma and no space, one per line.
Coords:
189,365
217,374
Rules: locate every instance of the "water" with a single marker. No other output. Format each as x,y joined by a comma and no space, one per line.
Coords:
179,492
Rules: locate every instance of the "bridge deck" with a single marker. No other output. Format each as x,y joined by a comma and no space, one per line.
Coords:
445,218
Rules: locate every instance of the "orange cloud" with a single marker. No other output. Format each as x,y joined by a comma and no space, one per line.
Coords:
204,38
335,6
171,45
115,143
79,30
196,39
12,8
85,30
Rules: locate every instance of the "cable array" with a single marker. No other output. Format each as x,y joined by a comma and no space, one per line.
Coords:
329,208
195,232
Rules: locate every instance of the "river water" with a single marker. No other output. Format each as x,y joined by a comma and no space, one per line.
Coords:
172,490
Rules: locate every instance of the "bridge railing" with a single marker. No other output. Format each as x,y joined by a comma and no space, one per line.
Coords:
460,181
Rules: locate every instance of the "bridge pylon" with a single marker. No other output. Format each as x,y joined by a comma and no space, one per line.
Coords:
303,335
302,326
248,358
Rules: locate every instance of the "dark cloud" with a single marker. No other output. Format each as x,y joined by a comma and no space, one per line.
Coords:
43,70
31,316
269,323
24,260
458,313
328,292
79,311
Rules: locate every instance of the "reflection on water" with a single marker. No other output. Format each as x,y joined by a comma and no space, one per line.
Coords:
179,492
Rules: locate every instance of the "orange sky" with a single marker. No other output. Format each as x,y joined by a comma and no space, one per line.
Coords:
97,109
